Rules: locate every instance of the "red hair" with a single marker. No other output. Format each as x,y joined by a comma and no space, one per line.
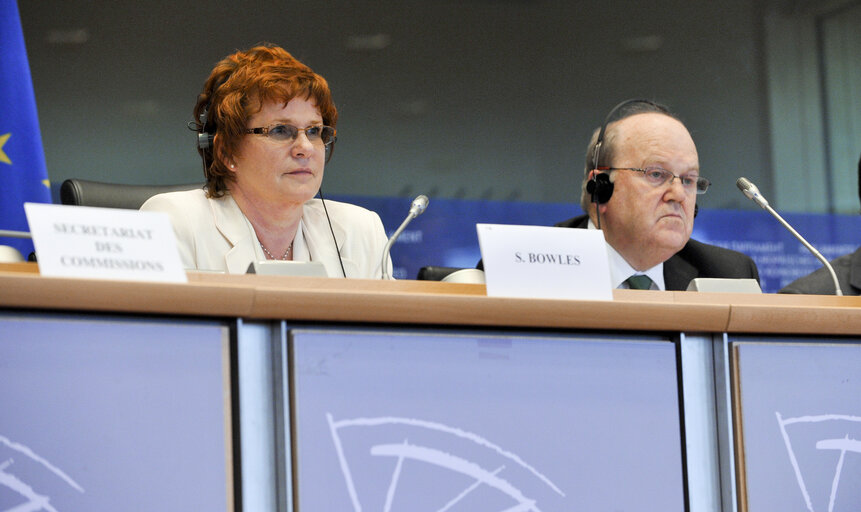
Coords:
237,88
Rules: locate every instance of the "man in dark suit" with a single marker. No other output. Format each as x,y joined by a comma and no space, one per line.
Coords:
847,268
640,187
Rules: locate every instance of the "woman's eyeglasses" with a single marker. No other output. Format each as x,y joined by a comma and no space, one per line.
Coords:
318,135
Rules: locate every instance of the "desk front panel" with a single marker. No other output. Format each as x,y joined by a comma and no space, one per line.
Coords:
104,413
798,417
401,420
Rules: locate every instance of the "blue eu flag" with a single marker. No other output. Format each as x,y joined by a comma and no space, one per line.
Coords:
23,175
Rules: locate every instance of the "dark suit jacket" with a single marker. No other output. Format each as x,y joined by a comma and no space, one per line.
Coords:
819,282
696,259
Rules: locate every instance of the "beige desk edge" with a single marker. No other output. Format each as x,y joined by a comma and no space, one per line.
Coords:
433,303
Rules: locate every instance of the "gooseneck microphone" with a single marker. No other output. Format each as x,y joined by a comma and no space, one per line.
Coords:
418,207
753,193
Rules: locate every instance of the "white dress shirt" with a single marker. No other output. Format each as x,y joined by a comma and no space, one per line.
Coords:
620,270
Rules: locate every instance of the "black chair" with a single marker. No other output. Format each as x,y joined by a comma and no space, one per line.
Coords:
113,195
432,273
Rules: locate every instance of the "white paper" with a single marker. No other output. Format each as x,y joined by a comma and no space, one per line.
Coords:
104,243
545,262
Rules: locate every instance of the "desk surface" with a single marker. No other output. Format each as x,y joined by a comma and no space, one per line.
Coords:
427,302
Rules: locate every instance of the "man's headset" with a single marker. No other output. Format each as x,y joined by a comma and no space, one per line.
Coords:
600,187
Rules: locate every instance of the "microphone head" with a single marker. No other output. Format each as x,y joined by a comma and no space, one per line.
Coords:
750,190
743,184
419,205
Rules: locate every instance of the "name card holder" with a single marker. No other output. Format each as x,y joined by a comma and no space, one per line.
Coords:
104,243
545,262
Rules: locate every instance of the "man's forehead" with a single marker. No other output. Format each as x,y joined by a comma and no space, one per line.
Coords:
653,133
649,123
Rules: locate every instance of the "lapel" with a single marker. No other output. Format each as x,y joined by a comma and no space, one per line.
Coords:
318,238
855,270
235,229
678,273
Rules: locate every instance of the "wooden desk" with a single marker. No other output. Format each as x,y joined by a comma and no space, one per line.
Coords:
435,303
261,309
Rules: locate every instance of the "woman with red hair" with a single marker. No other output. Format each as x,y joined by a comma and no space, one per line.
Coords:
266,128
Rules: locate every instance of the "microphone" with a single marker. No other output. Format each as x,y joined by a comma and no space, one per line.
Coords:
753,193
418,207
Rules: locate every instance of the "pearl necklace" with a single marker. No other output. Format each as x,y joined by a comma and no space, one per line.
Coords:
271,257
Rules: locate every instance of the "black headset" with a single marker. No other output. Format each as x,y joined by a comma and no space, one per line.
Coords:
204,138
204,126
600,187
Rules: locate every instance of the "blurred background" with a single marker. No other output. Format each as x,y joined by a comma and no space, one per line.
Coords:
469,99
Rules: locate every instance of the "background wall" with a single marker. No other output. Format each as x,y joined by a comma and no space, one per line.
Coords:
472,99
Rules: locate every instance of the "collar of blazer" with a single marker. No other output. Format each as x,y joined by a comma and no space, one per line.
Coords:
318,238
237,230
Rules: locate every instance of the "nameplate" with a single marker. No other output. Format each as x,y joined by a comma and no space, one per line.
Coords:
104,243
544,262
287,268
723,285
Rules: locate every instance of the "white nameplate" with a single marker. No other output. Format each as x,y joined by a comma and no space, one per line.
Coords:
545,262
104,243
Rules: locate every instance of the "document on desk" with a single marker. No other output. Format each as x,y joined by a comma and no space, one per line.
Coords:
104,243
544,262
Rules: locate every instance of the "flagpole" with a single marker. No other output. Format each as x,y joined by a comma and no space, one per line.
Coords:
5,233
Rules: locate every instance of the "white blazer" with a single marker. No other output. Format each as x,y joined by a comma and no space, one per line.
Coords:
214,234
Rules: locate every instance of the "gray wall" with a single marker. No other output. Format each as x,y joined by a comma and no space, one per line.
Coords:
476,99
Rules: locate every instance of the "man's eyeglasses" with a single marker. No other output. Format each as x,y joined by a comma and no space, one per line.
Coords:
318,135
657,176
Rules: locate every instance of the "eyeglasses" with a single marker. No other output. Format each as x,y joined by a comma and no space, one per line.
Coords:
318,135
657,176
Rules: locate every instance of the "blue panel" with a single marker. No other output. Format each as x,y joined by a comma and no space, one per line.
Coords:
387,421
779,256
445,234
112,415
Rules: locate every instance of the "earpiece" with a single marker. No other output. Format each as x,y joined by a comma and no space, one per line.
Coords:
204,138
205,127
600,187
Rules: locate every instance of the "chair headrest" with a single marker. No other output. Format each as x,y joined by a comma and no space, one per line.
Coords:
113,195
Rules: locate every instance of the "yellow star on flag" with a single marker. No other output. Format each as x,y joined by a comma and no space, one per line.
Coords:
3,157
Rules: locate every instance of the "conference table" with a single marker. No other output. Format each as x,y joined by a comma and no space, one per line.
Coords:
273,393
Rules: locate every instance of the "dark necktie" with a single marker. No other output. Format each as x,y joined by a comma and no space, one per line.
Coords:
639,282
